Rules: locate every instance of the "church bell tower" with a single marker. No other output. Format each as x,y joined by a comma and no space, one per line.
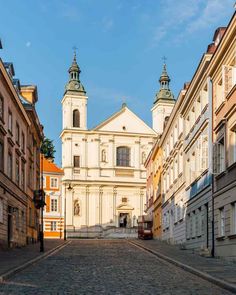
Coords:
163,104
74,102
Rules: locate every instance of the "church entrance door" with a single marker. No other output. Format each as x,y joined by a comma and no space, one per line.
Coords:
124,219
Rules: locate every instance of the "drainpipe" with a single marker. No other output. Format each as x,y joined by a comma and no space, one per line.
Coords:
210,141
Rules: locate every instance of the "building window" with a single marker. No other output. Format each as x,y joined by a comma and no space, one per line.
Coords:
22,175
44,181
188,234
9,165
53,225
53,182
76,118
23,142
204,152
10,121
222,222
221,155
143,157
1,210
233,220
232,145
17,216
104,155
76,161
17,133
1,156
22,221
1,108
54,205
123,156
17,172
30,217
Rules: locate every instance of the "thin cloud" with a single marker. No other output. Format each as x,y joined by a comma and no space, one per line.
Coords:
185,17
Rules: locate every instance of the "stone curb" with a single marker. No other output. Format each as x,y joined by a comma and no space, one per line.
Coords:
203,275
17,269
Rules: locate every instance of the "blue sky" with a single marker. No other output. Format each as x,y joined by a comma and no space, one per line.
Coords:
120,48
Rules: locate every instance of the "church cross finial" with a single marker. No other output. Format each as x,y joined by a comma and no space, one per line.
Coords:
75,49
164,58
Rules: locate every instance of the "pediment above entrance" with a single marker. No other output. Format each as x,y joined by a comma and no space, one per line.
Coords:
124,207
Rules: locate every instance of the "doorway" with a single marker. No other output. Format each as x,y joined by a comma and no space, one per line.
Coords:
123,219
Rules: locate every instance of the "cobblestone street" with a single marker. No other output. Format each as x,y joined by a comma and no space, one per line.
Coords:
105,267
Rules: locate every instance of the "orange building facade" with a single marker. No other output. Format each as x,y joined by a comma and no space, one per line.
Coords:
54,209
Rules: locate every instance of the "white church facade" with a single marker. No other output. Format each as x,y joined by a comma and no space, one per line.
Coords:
104,183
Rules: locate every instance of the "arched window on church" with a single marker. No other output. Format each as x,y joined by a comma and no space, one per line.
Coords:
104,155
76,118
123,156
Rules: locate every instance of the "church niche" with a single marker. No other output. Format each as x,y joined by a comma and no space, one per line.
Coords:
77,208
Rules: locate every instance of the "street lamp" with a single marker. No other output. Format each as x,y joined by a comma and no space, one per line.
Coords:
69,189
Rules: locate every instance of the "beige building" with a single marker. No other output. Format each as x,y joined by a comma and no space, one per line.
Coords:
14,124
222,73
20,138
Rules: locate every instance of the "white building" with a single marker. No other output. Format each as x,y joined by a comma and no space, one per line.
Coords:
104,176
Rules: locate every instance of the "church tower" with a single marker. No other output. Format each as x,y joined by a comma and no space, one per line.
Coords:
74,102
163,104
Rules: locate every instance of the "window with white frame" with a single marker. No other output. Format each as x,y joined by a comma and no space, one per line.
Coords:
44,181
221,155
10,121
1,210
233,218
203,147
228,79
221,222
54,205
54,182
53,225
198,106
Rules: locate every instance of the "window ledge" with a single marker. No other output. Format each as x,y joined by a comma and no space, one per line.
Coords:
220,175
231,166
221,238
232,236
218,109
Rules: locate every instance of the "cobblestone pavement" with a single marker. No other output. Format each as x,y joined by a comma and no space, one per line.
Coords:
219,268
12,258
106,267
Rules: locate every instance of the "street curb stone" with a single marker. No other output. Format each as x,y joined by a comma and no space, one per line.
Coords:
203,275
17,269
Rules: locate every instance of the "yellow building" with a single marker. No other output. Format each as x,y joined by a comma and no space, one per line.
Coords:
54,210
157,197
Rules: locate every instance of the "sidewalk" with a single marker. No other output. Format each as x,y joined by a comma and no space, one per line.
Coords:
12,258
215,267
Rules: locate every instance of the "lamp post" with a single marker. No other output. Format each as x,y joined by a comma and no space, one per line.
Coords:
69,189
